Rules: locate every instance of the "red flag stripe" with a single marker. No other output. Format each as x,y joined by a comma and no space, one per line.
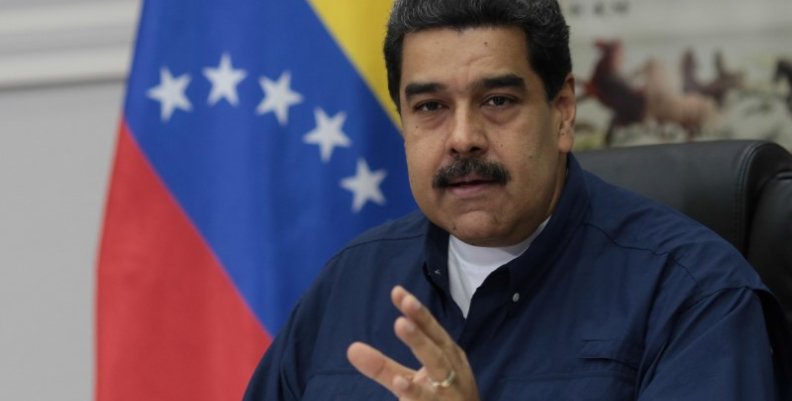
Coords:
163,295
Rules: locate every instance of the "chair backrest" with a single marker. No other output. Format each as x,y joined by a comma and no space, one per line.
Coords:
740,189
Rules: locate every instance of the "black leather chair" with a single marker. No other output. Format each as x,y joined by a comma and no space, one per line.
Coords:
740,189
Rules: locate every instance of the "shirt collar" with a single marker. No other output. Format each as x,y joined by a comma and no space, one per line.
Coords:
569,213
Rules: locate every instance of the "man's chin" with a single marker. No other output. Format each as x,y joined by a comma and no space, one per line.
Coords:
478,228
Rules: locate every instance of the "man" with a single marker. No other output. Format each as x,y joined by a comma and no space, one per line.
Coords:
522,277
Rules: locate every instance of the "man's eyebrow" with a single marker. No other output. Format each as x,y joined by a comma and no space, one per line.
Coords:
503,81
499,81
419,88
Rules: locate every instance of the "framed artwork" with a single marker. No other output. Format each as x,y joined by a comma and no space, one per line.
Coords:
650,71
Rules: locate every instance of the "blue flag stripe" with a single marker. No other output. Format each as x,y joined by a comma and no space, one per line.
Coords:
260,188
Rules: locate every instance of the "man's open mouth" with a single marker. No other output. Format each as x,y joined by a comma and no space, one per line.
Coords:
469,182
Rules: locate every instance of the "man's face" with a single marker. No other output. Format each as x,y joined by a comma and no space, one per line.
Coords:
486,151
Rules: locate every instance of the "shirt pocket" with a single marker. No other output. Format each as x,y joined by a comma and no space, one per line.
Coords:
610,355
606,370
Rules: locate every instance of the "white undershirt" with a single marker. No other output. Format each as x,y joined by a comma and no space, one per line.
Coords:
470,265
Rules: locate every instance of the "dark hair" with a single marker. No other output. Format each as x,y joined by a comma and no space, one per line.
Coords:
546,32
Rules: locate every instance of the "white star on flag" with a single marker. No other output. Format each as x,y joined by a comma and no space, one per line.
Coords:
365,186
224,80
327,133
278,97
170,93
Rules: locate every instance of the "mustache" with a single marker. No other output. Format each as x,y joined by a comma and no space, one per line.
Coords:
462,167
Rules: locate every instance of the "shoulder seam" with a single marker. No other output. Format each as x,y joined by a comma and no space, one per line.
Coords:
370,241
366,242
652,251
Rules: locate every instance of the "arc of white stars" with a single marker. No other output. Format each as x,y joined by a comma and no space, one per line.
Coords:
278,97
170,93
327,134
224,81
365,186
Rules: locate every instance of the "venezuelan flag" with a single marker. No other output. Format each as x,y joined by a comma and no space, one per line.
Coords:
256,139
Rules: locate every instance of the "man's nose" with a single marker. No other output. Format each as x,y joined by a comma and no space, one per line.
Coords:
467,136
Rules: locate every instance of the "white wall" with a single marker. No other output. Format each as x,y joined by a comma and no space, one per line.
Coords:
55,154
62,67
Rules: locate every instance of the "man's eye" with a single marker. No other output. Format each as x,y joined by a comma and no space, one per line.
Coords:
428,106
499,101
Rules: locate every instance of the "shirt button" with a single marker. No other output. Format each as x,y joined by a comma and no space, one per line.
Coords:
516,297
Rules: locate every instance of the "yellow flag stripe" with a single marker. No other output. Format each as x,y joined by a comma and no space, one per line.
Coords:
358,26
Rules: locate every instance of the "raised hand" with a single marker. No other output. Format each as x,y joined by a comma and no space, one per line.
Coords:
445,375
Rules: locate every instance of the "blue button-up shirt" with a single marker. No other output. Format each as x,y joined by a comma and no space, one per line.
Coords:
619,298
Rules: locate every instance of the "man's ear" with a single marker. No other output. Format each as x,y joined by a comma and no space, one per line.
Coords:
565,109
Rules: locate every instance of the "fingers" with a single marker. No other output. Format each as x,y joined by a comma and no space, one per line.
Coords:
400,380
445,372
427,340
411,389
431,357
415,312
376,366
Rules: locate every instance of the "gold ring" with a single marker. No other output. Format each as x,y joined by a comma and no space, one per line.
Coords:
445,383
